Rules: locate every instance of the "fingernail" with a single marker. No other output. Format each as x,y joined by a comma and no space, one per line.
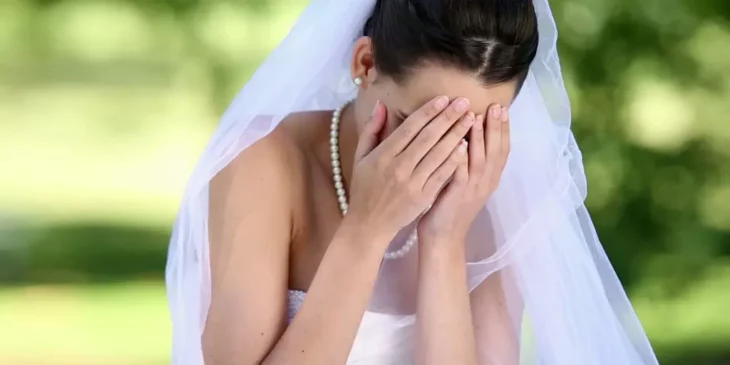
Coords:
496,111
463,146
375,109
441,102
479,124
505,115
461,104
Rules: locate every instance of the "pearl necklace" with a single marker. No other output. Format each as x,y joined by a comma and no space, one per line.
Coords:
340,188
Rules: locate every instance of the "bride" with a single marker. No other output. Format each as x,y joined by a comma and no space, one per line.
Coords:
398,184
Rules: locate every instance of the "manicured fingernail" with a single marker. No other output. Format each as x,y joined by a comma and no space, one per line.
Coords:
461,105
375,109
496,111
463,146
441,102
505,115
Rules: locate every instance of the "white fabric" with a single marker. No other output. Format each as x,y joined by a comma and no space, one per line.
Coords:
378,341
567,305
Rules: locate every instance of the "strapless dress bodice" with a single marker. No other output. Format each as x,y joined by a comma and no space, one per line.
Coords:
382,339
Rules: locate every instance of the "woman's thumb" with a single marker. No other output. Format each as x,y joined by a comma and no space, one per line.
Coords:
370,135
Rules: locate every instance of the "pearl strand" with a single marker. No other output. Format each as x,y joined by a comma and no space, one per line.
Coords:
340,187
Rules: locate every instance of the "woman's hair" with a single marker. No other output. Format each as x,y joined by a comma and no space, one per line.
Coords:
496,40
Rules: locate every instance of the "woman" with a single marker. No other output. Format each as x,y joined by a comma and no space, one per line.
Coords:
411,244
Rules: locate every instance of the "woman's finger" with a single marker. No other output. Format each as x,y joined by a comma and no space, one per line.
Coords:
368,139
477,151
443,173
449,124
441,151
461,176
504,153
412,126
493,136
455,187
505,137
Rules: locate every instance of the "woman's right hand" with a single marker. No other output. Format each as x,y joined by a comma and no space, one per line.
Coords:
395,181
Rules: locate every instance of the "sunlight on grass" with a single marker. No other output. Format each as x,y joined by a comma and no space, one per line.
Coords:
695,319
130,168
110,324
117,142
129,323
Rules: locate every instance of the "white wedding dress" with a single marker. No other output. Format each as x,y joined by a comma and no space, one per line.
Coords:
375,343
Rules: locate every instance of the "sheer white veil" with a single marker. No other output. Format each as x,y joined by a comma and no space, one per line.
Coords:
567,304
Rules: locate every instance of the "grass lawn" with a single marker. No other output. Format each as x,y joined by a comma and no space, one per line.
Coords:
100,324
128,323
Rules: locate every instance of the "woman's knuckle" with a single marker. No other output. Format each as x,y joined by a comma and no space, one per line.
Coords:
382,163
399,173
413,191
463,128
432,109
426,135
440,176
408,129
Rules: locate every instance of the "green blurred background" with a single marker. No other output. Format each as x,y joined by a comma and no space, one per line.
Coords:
105,106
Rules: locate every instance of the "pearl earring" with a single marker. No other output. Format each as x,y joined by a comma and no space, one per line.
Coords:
357,81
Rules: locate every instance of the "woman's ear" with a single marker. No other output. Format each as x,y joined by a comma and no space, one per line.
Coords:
363,62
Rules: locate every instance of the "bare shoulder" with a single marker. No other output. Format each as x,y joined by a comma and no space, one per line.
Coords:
251,204
266,159
273,171
274,161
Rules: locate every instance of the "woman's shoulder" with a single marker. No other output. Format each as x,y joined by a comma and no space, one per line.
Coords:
282,157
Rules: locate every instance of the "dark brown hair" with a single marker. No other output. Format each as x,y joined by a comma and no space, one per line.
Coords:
494,39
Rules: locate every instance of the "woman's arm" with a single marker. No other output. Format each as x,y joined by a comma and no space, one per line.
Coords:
445,334
249,233
247,320
456,327
497,319
324,329
250,225
495,316
249,247
445,330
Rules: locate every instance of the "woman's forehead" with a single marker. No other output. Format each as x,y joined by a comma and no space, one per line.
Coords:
426,83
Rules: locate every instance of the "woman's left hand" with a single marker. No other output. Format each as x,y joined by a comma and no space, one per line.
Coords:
474,181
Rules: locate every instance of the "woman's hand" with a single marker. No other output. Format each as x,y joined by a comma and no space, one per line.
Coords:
474,181
395,181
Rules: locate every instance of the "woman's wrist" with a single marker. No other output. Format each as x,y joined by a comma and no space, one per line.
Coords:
439,240
450,247
363,235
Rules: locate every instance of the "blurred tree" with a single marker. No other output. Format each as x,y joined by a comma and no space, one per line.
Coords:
638,74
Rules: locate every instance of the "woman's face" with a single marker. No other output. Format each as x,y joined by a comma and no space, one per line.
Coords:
428,82
423,84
